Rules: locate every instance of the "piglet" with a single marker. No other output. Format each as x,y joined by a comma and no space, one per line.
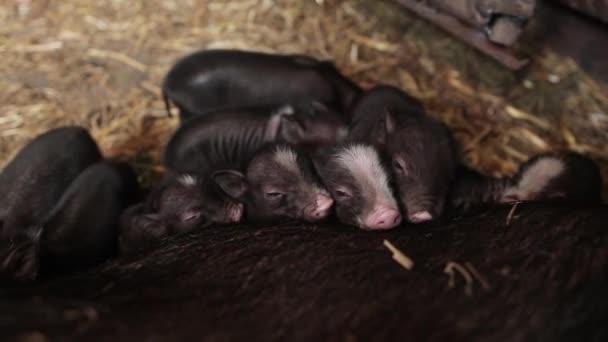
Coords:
210,79
561,176
31,185
281,184
359,182
180,203
421,149
472,190
557,177
235,134
82,229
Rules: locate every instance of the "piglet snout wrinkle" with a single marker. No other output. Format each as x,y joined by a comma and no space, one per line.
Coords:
321,208
420,217
383,217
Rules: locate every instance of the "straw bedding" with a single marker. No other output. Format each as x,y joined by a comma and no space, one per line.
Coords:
100,63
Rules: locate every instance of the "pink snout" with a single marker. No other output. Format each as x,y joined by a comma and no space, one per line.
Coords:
321,208
383,217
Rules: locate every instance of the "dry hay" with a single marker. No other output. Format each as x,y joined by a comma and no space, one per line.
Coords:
99,64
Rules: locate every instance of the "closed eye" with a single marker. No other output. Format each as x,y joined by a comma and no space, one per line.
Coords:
274,195
342,194
190,216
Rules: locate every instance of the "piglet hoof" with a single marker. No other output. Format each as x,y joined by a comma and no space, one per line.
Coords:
234,213
19,261
420,217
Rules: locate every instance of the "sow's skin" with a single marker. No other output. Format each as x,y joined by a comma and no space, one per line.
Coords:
210,79
549,177
31,185
82,229
421,150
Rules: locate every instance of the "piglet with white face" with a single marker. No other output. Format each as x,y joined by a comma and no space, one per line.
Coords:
562,176
358,180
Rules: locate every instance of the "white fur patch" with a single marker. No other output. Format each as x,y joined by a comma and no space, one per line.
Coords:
287,158
364,163
536,177
187,180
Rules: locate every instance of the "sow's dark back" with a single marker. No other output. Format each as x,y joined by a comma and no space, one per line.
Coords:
534,272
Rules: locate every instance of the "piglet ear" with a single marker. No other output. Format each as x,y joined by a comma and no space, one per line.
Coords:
231,182
152,202
320,106
290,129
383,128
389,121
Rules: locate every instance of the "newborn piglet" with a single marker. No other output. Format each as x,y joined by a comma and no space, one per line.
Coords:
472,190
421,149
368,121
557,177
562,176
31,185
303,123
233,135
358,180
181,203
82,229
210,79
281,184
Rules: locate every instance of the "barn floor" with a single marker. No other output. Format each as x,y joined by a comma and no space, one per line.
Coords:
99,64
